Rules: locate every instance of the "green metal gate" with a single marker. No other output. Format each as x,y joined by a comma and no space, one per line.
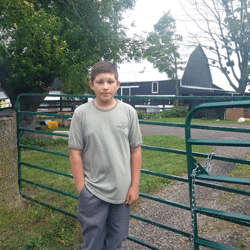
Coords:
199,175
196,173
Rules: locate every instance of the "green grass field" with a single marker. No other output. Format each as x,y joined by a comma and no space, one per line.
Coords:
158,118
38,227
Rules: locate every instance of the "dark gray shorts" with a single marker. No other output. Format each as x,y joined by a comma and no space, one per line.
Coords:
105,225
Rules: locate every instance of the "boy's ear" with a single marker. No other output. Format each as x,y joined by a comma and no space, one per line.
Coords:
91,84
118,84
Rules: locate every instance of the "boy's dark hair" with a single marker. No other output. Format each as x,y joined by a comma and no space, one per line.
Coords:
103,67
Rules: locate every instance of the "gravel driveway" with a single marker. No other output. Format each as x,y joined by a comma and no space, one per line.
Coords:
220,231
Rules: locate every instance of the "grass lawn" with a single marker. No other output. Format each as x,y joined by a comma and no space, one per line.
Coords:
158,118
38,227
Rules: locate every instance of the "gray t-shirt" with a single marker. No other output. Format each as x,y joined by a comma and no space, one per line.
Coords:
106,137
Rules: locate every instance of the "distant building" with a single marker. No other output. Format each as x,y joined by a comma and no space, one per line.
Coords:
196,81
197,78
152,89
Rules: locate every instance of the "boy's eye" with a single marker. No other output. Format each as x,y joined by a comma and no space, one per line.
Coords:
109,81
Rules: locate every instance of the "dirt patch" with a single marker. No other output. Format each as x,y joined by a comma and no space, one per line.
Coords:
217,230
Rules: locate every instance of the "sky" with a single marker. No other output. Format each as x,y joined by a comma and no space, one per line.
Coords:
145,14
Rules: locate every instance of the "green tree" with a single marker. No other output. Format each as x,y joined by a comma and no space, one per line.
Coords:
43,39
225,26
32,51
162,46
93,31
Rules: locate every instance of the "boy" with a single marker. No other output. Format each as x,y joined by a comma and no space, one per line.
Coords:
105,155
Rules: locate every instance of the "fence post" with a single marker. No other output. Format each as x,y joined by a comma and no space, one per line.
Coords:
61,104
9,190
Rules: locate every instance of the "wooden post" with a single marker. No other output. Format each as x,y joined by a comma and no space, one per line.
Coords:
9,190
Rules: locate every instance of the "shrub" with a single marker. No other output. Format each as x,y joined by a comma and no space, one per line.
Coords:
181,111
33,142
141,115
144,116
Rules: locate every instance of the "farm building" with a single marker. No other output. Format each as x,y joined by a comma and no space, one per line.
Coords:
197,78
196,81
155,89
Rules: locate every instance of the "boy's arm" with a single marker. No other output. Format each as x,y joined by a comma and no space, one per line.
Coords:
77,168
136,161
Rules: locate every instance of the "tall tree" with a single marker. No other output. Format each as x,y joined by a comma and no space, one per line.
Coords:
93,31
225,33
32,52
42,39
162,46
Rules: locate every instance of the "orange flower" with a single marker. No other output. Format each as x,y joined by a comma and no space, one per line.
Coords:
62,241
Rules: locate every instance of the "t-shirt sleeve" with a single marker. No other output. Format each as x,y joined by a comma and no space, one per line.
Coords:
76,140
135,137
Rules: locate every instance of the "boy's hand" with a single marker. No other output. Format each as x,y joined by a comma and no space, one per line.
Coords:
132,195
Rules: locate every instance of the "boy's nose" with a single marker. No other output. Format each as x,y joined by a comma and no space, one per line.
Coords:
105,85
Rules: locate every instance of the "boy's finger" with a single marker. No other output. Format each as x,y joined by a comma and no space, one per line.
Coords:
127,200
131,201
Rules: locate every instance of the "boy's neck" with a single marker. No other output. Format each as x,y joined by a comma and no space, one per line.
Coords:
104,105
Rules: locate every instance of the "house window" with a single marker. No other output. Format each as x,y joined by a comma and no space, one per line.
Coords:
154,87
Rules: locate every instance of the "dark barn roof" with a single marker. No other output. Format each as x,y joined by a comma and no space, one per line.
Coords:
197,78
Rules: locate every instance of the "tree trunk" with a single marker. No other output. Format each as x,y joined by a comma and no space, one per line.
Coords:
244,75
9,190
176,103
27,103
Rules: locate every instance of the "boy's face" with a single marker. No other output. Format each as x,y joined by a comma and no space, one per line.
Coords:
105,86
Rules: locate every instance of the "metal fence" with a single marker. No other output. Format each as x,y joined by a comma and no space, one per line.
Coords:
61,104
197,175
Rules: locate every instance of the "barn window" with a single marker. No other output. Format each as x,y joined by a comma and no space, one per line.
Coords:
154,87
